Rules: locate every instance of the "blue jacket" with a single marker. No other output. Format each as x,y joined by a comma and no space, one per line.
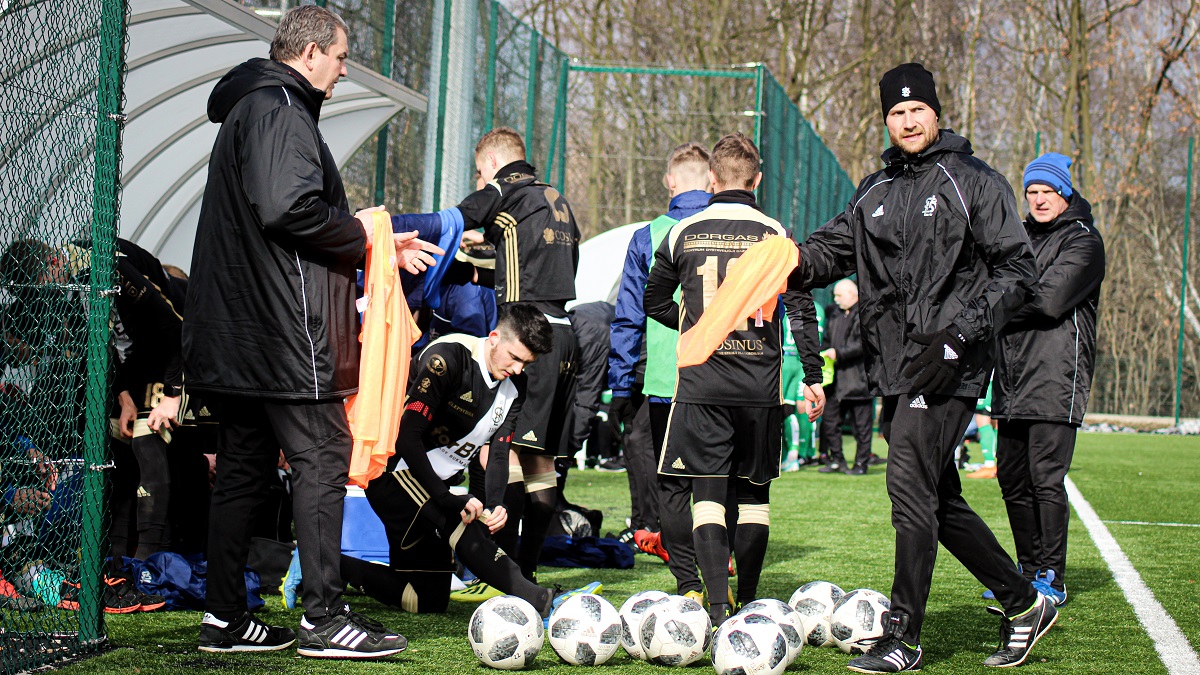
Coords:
629,328
444,228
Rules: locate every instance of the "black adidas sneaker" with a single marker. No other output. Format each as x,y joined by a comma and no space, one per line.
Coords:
1019,634
348,635
243,634
890,654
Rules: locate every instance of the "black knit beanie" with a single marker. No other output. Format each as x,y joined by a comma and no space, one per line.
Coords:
908,82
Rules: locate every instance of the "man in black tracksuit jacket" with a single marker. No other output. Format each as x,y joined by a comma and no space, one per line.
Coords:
849,392
942,264
271,332
1044,371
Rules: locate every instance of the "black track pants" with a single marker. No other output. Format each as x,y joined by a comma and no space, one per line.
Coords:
928,507
641,462
862,414
315,439
675,497
1032,459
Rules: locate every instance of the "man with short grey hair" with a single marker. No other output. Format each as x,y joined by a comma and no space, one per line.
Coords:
271,332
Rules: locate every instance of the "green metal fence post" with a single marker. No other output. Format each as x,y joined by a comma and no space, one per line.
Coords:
1187,222
1037,145
104,233
489,102
563,85
531,91
444,61
385,69
560,109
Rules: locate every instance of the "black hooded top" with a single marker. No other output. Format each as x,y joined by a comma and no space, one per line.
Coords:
1047,353
270,309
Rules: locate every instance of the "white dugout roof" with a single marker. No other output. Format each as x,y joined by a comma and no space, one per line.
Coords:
178,50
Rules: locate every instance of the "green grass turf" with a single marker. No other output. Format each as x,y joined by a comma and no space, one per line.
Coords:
823,527
1149,479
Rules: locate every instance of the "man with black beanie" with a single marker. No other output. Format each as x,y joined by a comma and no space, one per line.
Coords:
942,263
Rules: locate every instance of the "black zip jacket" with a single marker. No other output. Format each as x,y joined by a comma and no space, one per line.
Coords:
535,235
271,298
844,334
936,241
1047,353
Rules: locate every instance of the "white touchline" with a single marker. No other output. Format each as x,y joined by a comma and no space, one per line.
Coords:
1147,522
1173,648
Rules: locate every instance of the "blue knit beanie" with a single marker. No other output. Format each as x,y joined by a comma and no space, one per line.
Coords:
1051,169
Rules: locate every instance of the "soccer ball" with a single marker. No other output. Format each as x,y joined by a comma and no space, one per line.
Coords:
750,644
857,620
675,632
506,633
585,630
814,602
631,617
781,613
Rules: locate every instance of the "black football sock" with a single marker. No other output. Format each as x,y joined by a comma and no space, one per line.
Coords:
711,538
753,529
481,555
514,503
676,520
541,491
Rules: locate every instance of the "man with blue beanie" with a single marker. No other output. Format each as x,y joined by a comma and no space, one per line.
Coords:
1046,355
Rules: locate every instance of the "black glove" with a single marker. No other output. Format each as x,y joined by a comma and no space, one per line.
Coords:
937,366
619,411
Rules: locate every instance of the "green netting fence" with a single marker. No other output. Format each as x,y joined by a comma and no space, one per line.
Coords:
60,131
479,67
623,120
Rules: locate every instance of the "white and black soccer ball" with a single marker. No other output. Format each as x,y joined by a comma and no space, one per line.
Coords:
814,602
781,613
631,618
857,621
585,630
675,632
750,644
506,633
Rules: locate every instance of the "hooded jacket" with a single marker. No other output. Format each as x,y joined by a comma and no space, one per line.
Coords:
937,242
271,298
1047,353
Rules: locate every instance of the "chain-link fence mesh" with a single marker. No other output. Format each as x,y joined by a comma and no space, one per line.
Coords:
622,123
59,129
480,68
803,185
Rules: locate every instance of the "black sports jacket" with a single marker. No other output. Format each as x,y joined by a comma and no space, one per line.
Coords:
270,305
936,241
535,235
1047,353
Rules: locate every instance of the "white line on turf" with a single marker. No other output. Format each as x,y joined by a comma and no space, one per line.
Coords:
1173,648
1146,522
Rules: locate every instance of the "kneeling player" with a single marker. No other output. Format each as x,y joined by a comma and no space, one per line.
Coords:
463,392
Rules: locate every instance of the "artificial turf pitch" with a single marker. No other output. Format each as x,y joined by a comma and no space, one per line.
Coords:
830,527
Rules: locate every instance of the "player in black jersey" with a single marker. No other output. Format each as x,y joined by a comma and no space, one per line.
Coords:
537,253
463,392
727,416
